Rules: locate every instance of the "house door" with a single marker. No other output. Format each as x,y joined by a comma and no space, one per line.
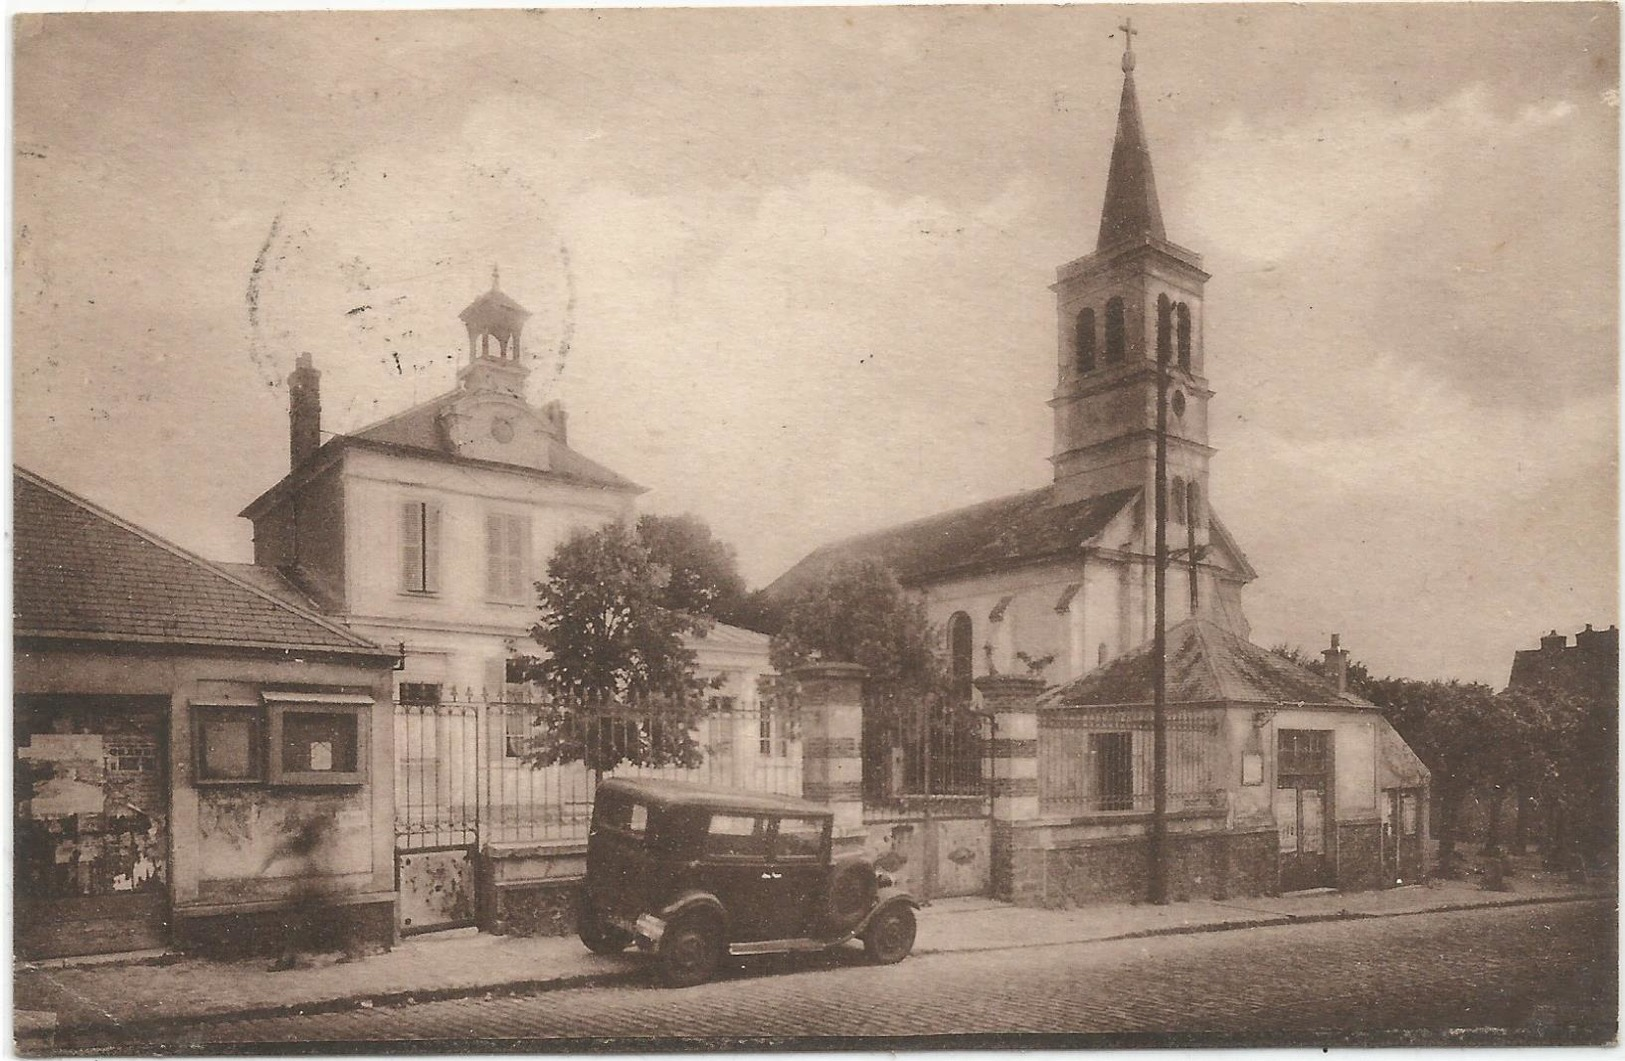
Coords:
1302,812
1403,836
92,824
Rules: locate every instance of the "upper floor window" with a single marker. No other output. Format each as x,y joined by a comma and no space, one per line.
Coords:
1176,498
507,555
1116,344
1085,340
1182,326
1193,502
420,547
1165,322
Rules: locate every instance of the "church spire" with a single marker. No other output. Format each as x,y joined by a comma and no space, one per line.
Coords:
1131,211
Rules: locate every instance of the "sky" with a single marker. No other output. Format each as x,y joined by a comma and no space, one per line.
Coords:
790,269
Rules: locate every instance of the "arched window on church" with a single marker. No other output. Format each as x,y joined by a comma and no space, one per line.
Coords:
1165,322
960,656
1182,314
1193,502
1103,655
1115,345
1176,500
1084,339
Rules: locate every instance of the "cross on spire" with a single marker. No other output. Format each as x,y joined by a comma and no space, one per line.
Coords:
496,278
1129,33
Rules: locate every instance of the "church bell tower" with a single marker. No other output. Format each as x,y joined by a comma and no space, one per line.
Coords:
1134,301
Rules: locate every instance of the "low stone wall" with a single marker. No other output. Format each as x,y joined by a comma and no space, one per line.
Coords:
1359,856
314,928
530,889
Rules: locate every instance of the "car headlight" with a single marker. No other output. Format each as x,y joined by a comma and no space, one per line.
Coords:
884,879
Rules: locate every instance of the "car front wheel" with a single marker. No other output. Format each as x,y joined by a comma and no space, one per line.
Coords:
890,938
689,952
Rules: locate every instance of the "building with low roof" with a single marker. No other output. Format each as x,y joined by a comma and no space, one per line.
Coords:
196,758
1280,779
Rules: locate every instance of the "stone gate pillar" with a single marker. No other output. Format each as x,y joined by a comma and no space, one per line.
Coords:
830,701
1013,702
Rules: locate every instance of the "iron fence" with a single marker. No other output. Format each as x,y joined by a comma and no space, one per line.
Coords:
1099,760
924,757
480,771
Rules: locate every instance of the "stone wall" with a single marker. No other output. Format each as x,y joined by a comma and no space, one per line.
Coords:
355,929
1059,871
530,889
1359,856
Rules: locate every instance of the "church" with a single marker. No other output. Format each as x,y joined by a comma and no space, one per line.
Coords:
1066,571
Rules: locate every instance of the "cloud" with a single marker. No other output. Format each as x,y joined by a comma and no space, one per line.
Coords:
1330,180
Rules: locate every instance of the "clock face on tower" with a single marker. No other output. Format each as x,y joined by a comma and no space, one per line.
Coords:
502,429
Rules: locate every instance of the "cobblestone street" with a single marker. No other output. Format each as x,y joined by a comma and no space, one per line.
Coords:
1535,974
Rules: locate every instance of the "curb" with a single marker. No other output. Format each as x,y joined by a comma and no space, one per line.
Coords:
131,1029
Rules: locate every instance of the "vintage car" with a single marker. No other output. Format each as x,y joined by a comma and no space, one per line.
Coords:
692,873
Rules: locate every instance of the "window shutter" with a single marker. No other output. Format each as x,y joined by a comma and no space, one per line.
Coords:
431,548
496,678
494,555
519,552
412,545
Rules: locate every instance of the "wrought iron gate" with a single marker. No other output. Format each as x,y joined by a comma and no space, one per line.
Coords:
437,814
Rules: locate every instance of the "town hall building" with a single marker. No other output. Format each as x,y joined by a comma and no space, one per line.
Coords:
429,529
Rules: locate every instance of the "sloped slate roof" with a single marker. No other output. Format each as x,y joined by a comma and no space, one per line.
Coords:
1206,664
1007,530
419,428
81,572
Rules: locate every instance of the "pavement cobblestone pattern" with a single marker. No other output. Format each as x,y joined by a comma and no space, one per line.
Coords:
1545,973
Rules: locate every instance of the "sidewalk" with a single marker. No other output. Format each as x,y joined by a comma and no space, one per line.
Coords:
62,996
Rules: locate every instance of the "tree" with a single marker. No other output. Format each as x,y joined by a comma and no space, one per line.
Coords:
703,572
859,613
1463,731
618,681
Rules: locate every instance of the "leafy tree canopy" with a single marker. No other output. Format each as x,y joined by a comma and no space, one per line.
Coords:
702,572
618,679
859,613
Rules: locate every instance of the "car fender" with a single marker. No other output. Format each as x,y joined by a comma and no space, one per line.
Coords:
888,898
691,901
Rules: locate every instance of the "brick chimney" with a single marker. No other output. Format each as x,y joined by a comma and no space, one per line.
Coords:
304,411
1337,664
1554,642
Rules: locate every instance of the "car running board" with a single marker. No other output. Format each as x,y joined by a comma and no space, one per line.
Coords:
785,946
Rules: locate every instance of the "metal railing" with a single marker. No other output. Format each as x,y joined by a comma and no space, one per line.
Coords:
479,771
1099,760
925,759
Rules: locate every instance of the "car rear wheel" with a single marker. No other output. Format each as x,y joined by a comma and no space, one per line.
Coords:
689,952
598,935
890,937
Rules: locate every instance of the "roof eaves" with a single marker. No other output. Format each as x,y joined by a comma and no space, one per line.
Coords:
624,486
356,648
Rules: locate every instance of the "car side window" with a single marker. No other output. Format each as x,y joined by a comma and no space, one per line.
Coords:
800,839
624,816
736,835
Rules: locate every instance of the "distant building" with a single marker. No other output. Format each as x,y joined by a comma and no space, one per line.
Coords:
1588,818
429,528
1066,570
1590,666
194,757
